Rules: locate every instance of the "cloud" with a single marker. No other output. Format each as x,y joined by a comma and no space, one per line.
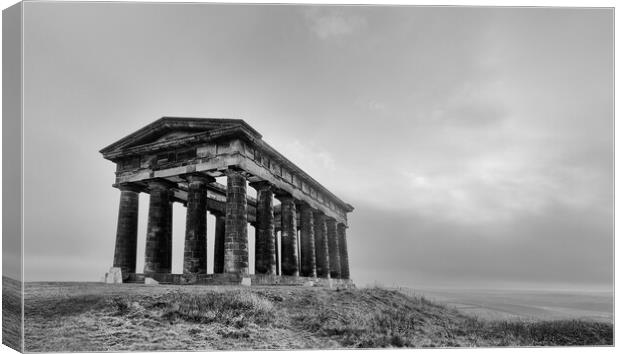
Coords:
310,157
500,186
473,104
328,23
371,105
544,250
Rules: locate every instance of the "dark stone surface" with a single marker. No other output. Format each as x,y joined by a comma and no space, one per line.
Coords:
158,253
308,255
321,245
195,252
236,240
220,235
289,236
265,250
344,253
127,230
277,242
334,251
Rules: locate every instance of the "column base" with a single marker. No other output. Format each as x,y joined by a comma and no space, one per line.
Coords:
238,279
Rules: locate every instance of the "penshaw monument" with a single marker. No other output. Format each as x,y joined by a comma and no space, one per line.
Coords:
301,240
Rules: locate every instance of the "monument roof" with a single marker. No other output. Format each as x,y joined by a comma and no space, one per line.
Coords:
165,125
181,130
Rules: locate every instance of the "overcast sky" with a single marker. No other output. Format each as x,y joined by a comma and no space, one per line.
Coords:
474,143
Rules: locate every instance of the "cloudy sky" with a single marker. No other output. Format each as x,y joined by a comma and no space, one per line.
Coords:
476,144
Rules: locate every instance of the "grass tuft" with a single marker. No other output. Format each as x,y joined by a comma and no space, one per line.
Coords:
404,321
237,308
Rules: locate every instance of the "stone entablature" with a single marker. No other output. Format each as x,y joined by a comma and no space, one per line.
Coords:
183,151
178,159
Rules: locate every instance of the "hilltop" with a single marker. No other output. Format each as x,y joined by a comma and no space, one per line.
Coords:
99,317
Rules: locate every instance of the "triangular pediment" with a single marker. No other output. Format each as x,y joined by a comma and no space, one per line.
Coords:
174,128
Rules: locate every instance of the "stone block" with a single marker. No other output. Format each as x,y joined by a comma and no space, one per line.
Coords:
114,276
150,281
246,281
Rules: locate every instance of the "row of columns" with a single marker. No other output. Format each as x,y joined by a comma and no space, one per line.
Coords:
322,240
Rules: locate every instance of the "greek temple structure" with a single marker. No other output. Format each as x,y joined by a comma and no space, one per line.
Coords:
302,239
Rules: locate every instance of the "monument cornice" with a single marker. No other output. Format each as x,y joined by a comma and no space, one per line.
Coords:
172,133
115,155
290,165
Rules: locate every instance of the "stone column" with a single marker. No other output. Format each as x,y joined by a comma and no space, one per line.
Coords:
265,260
236,240
321,245
344,253
298,234
158,252
334,252
289,235
127,230
218,251
278,271
167,250
195,252
308,255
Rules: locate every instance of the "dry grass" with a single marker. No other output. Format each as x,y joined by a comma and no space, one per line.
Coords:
12,313
96,317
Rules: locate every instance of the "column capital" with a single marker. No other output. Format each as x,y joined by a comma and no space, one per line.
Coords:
217,214
129,187
320,213
234,170
198,177
261,185
160,183
283,196
329,219
302,204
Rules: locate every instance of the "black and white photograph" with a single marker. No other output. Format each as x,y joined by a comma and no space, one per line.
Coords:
296,176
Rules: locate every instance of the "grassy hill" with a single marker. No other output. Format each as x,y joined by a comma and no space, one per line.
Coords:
99,317
11,313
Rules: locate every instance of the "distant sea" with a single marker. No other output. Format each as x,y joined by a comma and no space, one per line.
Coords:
524,304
